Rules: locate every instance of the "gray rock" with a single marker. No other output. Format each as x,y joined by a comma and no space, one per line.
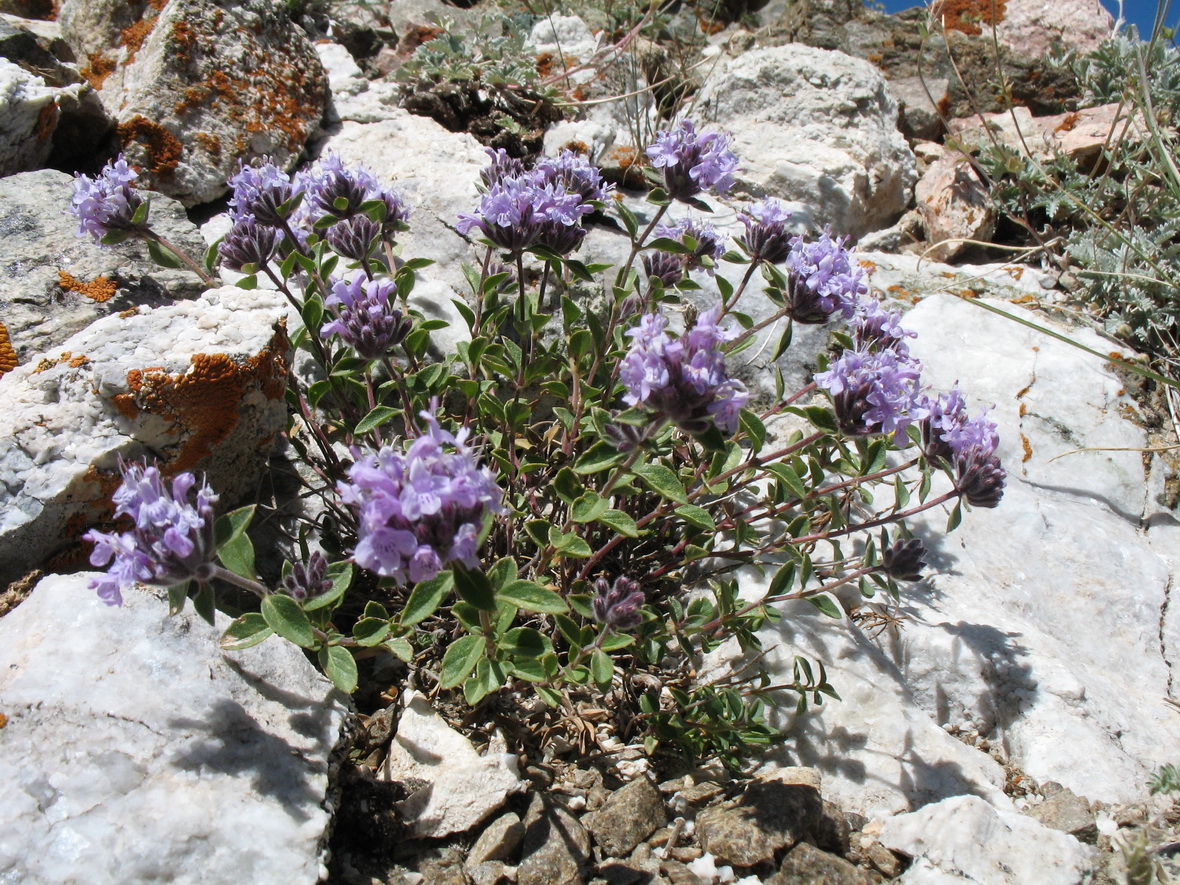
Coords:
197,85
456,788
136,751
807,865
556,846
54,283
1066,811
770,815
490,872
28,118
629,816
198,385
499,841
815,126
966,840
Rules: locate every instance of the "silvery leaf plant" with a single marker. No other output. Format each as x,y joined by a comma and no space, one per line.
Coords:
557,512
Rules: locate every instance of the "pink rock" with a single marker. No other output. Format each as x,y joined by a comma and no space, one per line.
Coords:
954,205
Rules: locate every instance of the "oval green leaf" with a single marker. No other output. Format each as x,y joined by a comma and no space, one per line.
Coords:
285,617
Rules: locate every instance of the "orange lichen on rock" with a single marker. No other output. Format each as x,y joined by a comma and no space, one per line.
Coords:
97,68
163,148
7,354
46,122
203,402
969,16
133,36
100,289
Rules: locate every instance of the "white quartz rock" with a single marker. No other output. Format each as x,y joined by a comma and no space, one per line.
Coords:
135,751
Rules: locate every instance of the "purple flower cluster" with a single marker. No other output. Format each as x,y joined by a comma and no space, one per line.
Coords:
693,162
968,444
617,605
876,388
106,203
824,278
874,391
671,267
767,237
170,540
306,581
364,315
540,207
422,508
684,379
267,204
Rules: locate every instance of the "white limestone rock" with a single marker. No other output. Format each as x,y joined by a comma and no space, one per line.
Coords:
28,118
1032,27
135,751
816,126
456,788
198,385
965,841
354,96
1050,398
54,283
198,85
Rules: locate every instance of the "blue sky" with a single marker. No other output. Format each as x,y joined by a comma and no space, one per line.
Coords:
1138,12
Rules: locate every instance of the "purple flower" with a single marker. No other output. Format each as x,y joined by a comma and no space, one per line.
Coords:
308,580
767,238
874,391
967,445
518,213
904,560
708,242
693,163
618,605
106,203
501,167
365,316
420,509
823,279
874,328
248,243
354,237
334,189
684,379
261,191
573,173
170,540
663,266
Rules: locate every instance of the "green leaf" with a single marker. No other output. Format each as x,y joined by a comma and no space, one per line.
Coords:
567,485
285,617
589,507
246,631
616,641
955,518
697,516
177,597
378,416
525,641
602,668
827,605
460,659
400,648
597,458
339,665
474,588
232,525
502,572
340,574
620,522
238,556
426,597
162,255
530,670
370,631
661,480
782,580
203,604
569,544
140,216
532,597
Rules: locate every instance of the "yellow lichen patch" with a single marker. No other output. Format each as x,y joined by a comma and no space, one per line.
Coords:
100,289
129,312
7,354
1023,299
1023,409
3,720
79,360
203,402
1027,446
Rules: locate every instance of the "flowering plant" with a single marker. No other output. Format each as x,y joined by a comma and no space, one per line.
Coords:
521,519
